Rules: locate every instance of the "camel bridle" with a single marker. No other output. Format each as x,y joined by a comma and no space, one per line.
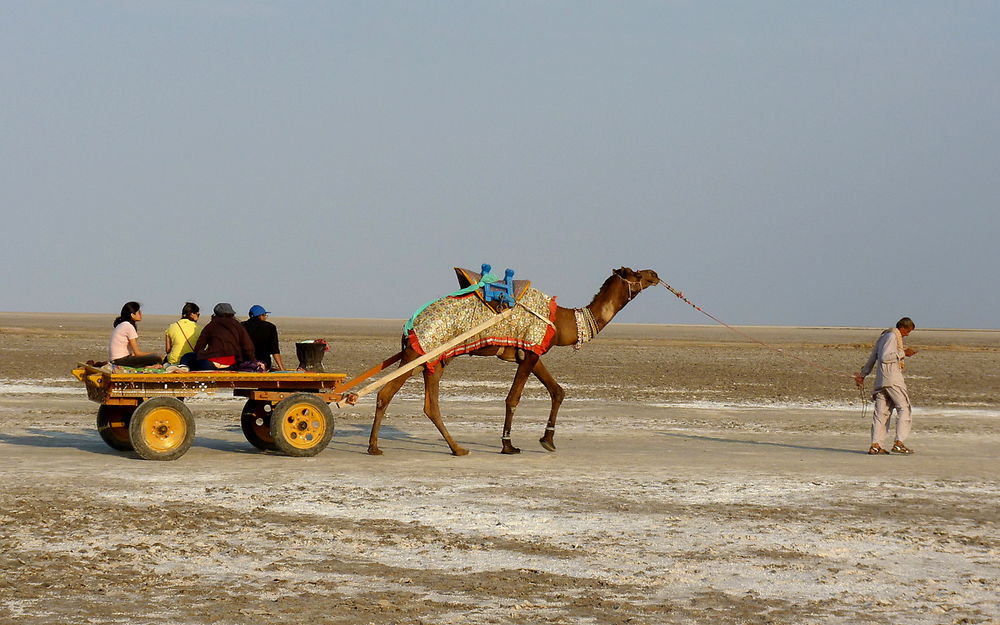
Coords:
638,289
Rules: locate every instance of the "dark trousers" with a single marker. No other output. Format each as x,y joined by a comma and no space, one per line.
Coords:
137,361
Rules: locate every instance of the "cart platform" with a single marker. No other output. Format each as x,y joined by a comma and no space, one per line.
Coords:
104,387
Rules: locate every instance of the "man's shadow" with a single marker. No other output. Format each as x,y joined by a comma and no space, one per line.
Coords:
737,441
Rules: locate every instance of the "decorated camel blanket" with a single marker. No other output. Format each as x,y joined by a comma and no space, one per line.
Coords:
446,318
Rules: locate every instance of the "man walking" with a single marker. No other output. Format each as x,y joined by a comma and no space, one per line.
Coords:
890,389
264,335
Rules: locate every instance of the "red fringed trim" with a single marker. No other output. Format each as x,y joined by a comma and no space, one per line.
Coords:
550,333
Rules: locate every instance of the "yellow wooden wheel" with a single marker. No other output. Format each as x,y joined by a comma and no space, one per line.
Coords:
301,425
162,428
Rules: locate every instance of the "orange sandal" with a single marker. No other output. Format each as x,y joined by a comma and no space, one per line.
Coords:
876,449
900,448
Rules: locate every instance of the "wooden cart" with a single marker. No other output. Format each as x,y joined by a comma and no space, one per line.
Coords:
286,412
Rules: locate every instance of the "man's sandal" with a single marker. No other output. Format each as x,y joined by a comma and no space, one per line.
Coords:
876,449
900,448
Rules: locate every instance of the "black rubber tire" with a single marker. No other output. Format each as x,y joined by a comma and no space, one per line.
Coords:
256,424
162,428
112,425
301,425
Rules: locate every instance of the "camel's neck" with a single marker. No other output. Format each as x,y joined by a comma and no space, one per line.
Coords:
615,293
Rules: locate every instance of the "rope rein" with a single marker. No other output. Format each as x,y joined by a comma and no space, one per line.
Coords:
811,363
586,330
752,338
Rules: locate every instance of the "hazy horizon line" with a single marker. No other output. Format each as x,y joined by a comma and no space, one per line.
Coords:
621,323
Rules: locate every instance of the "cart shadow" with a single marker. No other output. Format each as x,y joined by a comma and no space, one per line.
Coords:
715,439
394,434
91,442
221,444
55,439
350,432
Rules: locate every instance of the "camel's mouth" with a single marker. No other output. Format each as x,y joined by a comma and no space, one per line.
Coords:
649,277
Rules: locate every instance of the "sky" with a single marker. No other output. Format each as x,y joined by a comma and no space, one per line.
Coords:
780,162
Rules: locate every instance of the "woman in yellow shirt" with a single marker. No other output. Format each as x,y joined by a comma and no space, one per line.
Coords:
181,336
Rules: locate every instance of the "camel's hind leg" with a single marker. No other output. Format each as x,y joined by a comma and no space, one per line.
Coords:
432,407
557,394
524,367
385,395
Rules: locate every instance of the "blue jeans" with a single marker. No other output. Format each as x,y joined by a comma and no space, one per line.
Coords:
197,364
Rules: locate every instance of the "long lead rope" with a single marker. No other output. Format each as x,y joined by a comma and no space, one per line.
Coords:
811,363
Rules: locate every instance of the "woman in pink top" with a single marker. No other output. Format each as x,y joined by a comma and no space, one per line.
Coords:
123,348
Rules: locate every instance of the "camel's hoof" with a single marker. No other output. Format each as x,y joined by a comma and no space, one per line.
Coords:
548,445
374,451
460,451
510,450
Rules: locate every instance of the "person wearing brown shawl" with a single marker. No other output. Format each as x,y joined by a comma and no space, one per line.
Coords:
223,343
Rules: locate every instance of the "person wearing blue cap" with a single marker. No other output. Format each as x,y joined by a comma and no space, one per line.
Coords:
264,335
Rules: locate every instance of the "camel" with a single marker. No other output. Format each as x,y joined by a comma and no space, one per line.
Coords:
617,291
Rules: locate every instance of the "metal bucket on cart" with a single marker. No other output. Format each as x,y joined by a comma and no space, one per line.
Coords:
310,355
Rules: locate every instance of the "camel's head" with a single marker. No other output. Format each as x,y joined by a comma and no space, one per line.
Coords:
638,280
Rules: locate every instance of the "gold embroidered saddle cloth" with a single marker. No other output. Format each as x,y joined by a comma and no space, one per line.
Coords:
450,316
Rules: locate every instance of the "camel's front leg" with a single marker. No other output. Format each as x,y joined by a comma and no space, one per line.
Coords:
524,368
385,395
432,408
557,394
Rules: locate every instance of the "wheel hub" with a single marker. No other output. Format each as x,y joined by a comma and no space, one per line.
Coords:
303,426
166,429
